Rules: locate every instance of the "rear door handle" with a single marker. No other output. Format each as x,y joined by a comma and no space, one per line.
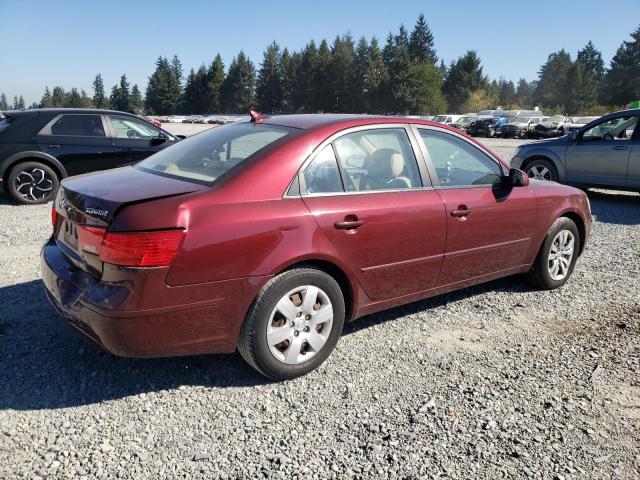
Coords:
621,147
348,224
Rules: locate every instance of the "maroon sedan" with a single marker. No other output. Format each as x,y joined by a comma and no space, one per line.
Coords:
266,236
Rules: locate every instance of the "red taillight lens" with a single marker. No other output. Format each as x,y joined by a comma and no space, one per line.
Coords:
141,249
90,239
54,217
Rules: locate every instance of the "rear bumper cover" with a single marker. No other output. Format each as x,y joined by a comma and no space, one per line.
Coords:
138,315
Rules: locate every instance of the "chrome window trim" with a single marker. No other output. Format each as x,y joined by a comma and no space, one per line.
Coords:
46,130
431,166
374,126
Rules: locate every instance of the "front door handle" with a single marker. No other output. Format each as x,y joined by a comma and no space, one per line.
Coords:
124,149
621,147
461,212
349,223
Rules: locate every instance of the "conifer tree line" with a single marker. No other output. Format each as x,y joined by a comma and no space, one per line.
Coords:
402,75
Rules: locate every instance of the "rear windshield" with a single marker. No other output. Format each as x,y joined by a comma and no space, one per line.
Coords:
206,156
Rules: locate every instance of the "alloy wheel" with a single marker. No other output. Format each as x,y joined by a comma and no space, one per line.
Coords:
33,184
300,325
560,255
539,172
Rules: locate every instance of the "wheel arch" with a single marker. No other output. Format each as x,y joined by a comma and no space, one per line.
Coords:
579,221
553,159
349,289
36,156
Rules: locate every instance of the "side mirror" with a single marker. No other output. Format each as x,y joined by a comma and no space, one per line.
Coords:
518,178
158,140
181,137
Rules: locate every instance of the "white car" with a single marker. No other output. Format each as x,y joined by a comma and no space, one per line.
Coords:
446,119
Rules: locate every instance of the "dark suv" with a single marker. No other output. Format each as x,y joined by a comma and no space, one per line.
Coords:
39,147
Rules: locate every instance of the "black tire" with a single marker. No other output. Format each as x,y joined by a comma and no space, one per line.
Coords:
24,171
541,162
539,275
252,342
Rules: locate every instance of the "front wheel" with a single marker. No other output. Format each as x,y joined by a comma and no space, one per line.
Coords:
542,169
32,183
557,256
294,324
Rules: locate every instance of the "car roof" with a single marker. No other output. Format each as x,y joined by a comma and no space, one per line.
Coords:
57,111
338,121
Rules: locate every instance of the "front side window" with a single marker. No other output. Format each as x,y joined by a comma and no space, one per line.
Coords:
128,127
457,162
615,129
205,157
78,125
322,174
378,159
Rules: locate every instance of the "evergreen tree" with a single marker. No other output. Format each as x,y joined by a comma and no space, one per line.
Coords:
288,67
163,90
424,92
45,102
15,103
85,100
622,80
399,72
120,96
20,103
592,61
377,80
3,103
269,83
238,95
360,80
176,68
99,98
342,74
506,92
305,79
524,94
322,86
583,93
136,101
553,83
73,100
196,92
58,97
463,77
421,46
215,78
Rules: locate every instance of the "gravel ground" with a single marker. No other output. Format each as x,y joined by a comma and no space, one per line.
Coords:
495,381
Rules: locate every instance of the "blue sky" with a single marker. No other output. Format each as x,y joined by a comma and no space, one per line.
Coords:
66,43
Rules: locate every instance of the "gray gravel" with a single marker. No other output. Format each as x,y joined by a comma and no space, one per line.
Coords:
495,381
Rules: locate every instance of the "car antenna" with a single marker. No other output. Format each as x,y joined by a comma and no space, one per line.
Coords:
257,117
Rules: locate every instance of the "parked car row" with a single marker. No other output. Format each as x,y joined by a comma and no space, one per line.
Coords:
215,119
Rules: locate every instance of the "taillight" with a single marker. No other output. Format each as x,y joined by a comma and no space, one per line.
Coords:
54,216
141,249
90,239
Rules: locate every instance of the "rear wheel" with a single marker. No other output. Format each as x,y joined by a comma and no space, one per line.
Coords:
542,169
294,324
32,183
557,256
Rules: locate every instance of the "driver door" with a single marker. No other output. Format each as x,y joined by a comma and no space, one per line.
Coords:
135,139
600,155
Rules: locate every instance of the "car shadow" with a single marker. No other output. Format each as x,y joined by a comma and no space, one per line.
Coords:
46,364
507,284
620,208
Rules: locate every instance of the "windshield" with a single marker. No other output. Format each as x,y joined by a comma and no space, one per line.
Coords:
466,120
440,118
206,156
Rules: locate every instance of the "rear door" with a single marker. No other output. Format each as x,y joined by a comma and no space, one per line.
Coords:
79,142
377,207
600,156
489,227
135,139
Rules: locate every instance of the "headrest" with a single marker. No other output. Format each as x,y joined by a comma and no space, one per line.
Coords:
386,162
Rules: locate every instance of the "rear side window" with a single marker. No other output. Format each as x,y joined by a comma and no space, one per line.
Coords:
79,125
205,157
322,174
